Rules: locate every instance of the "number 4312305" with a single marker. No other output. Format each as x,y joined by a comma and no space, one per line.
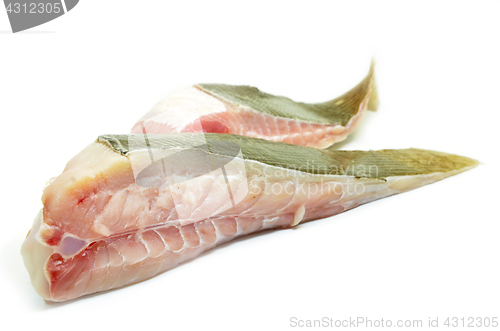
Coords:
34,8
471,322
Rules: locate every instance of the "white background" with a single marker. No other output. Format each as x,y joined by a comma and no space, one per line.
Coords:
432,252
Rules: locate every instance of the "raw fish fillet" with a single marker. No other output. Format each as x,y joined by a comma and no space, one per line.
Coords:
246,111
129,207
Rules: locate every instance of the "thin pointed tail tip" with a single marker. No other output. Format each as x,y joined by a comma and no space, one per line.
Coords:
452,162
433,167
433,161
466,163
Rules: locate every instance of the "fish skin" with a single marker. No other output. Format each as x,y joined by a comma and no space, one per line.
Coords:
246,111
100,230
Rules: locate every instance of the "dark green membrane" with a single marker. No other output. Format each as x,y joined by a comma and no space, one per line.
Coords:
360,164
336,111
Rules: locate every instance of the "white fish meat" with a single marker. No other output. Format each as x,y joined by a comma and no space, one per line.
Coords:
246,111
129,207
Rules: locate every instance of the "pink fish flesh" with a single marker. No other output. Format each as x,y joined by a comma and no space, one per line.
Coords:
246,111
109,220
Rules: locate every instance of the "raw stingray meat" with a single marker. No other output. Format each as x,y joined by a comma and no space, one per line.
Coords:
246,111
129,207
